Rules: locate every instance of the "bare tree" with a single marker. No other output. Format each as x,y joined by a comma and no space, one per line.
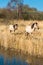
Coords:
16,4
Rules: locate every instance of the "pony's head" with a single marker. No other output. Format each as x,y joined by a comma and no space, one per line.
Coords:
35,26
15,26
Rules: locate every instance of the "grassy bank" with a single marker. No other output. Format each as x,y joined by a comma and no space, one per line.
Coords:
33,44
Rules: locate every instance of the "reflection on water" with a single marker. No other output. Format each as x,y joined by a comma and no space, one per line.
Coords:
13,61
11,58
15,57
1,60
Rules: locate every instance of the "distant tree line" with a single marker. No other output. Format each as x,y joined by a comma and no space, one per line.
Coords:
27,13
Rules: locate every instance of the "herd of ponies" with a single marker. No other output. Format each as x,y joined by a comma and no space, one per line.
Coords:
28,29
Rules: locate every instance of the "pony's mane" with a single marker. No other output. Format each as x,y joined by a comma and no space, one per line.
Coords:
14,26
34,24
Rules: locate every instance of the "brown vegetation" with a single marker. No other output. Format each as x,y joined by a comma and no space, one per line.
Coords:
33,44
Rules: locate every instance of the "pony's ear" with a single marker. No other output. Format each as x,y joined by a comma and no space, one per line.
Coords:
36,23
16,24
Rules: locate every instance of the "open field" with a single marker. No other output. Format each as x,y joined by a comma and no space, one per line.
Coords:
33,44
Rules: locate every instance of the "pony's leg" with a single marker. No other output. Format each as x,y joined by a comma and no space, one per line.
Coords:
10,31
14,30
26,33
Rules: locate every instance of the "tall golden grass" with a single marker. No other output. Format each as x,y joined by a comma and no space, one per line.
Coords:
33,44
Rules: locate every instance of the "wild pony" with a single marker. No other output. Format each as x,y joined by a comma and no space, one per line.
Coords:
30,28
12,28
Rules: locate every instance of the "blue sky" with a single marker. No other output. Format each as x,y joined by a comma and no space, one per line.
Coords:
32,3
3,3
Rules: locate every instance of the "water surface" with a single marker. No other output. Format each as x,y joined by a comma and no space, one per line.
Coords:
8,58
